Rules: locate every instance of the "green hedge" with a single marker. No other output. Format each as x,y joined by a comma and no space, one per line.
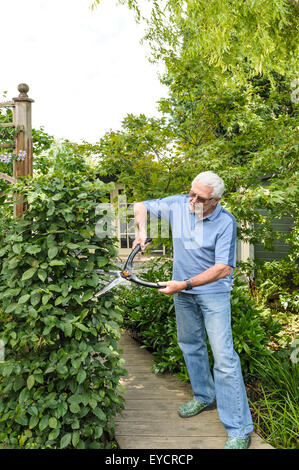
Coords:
59,382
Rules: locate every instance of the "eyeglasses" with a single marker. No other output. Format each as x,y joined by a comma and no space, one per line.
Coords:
199,198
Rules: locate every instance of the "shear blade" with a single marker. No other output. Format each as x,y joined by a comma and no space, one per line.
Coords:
109,286
106,273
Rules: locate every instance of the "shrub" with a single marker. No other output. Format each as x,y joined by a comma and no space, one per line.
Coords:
59,384
275,283
150,317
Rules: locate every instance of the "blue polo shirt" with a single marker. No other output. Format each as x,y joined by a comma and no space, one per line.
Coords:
198,243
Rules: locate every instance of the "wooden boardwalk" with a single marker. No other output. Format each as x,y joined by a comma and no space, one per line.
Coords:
150,419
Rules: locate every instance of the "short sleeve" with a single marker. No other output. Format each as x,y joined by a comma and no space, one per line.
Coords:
225,248
162,208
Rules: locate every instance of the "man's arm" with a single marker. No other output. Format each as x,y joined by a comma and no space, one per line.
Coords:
218,271
140,215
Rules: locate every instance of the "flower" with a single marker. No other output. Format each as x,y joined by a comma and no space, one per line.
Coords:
5,158
21,155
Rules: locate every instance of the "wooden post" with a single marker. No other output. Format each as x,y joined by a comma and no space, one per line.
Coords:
23,124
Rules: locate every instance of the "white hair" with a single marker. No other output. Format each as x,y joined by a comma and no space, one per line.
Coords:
208,178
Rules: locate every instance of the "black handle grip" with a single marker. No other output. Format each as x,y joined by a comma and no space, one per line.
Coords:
133,253
146,283
128,267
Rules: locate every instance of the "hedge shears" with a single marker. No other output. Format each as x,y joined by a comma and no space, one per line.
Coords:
126,274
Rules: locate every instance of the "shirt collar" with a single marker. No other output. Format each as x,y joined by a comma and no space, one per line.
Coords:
214,214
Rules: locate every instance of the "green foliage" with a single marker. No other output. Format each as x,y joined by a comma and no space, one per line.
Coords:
6,136
276,407
253,331
59,384
42,141
54,155
274,286
228,35
150,316
284,273
231,108
236,134
275,283
141,152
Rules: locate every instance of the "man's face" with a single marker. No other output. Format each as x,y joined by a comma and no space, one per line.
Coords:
207,204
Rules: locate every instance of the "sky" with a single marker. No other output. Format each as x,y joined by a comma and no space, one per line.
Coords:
86,70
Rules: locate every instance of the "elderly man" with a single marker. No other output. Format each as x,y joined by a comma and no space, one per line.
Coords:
204,253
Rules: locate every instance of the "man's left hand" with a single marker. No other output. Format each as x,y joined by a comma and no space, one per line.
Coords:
172,287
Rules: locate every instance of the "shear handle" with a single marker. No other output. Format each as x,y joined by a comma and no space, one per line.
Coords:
128,267
132,255
145,283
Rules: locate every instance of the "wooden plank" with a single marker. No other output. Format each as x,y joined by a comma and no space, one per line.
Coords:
125,442
167,415
141,365
131,344
7,145
7,104
143,368
154,390
185,428
7,124
154,386
139,394
5,177
134,364
153,404
136,375
154,382
141,353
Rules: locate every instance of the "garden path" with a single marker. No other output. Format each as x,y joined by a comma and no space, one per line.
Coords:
150,419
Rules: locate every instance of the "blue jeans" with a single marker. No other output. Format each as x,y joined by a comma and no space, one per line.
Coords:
197,314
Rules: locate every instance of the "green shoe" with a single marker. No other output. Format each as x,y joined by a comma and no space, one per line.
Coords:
236,443
194,407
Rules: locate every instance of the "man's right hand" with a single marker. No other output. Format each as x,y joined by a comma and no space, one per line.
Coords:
140,239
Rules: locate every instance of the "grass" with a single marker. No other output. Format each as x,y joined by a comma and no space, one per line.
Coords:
276,405
277,421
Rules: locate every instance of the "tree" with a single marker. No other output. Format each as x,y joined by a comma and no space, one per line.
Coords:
143,151
230,68
227,34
